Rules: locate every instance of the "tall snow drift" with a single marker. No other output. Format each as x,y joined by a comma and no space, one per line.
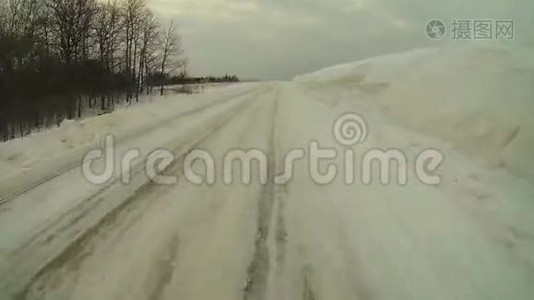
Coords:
477,98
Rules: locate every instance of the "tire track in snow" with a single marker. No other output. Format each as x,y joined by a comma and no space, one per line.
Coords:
95,199
19,286
265,267
9,192
258,270
307,292
166,268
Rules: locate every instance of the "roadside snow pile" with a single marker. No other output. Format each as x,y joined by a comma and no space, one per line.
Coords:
477,98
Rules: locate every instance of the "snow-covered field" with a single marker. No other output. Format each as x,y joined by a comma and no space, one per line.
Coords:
469,237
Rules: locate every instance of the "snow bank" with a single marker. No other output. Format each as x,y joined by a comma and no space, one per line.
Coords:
477,98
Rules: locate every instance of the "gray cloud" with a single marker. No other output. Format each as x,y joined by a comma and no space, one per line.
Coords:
277,39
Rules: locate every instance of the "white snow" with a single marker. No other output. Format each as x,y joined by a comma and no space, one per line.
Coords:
470,237
27,161
477,98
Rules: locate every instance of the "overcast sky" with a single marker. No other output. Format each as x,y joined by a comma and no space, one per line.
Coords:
278,39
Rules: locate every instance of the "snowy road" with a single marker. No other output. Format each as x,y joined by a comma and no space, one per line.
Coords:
470,237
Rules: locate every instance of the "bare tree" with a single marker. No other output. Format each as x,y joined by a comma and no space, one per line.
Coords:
133,14
171,51
71,20
108,28
148,48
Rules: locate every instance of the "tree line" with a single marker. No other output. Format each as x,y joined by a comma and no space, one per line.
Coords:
61,57
184,79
